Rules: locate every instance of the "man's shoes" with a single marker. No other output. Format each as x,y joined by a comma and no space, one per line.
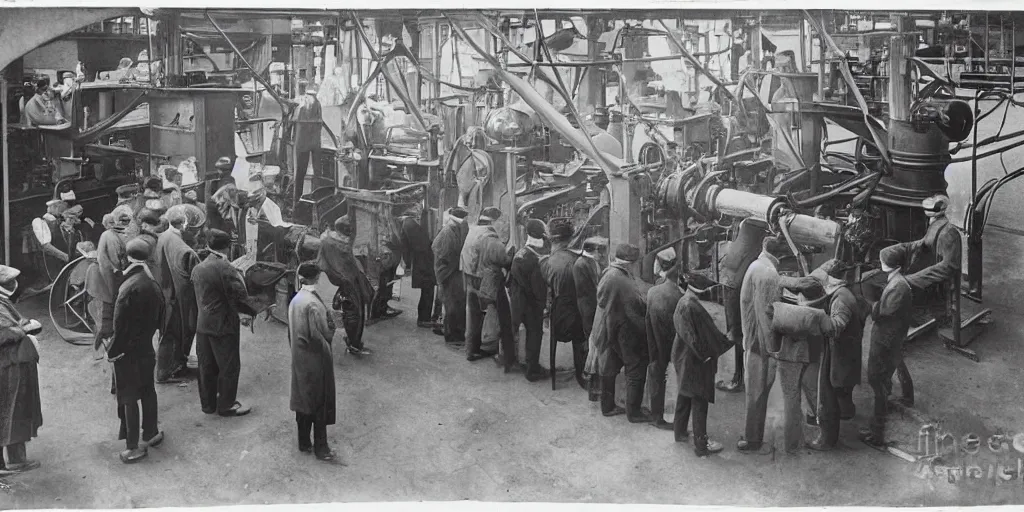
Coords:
330,457
661,424
476,356
391,312
359,351
682,437
704,447
730,386
438,331
744,446
236,410
306,448
133,456
500,361
171,380
425,325
154,441
818,446
192,363
870,438
614,412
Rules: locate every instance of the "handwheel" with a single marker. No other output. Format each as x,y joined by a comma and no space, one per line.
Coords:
68,304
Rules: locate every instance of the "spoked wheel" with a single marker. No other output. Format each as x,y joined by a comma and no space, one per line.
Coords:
69,304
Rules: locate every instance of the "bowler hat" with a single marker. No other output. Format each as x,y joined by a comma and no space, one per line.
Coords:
536,229
137,249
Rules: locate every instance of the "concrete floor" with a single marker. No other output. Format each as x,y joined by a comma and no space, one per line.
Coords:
418,422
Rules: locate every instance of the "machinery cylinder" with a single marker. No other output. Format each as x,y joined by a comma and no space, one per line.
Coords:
736,203
807,230
919,161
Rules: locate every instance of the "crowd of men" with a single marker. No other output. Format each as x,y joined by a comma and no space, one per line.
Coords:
156,273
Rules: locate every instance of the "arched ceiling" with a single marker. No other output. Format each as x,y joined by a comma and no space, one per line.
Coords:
24,28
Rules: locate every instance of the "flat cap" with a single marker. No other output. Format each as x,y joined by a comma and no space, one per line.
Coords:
224,163
627,252
535,228
155,184
458,212
490,213
148,216
308,270
137,249
560,228
894,256
8,274
125,190
218,240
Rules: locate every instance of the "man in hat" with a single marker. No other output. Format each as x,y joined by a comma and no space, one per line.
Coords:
45,108
222,296
151,195
111,259
482,261
586,274
416,244
307,118
447,248
661,334
739,254
528,293
344,271
696,363
137,315
665,262
49,236
623,310
892,316
566,322
173,262
126,194
310,333
21,412
759,291
224,165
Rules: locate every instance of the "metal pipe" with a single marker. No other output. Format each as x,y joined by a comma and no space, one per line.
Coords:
6,170
286,106
792,246
811,202
696,63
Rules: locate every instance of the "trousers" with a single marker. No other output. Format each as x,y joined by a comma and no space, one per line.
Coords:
532,318
219,368
453,295
685,407
307,422
104,324
425,307
175,345
301,165
882,363
476,309
734,328
148,419
384,293
795,380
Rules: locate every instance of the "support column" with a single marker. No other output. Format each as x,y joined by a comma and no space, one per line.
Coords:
5,170
624,215
590,90
901,48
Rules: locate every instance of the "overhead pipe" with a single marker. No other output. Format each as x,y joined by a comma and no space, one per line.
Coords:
286,106
846,186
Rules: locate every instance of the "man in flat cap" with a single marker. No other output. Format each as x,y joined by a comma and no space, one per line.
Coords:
126,194
661,335
111,259
224,165
49,237
419,257
892,316
344,271
447,247
310,333
307,119
528,293
21,412
137,315
760,290
173,262
586,274
566,322
482,262
623,310
221,294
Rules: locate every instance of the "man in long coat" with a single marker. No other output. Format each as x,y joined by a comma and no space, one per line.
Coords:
740,253
483,260
661,335
137,315
21,412
415,241
221,294
447,248
621,306
528,294
310,333
111,259
760,290
173,262
586,274
892,316
344,271
566,322
696,363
